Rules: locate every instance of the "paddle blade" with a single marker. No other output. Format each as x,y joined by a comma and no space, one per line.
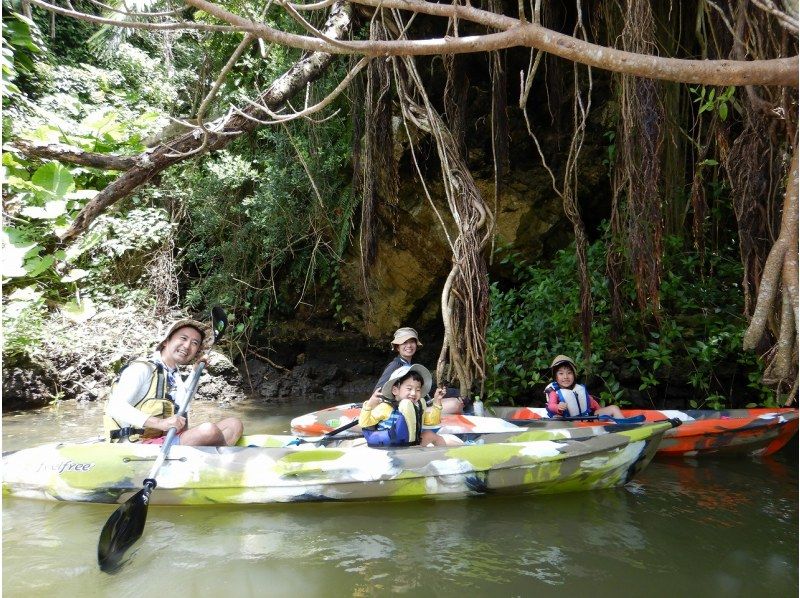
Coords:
122,530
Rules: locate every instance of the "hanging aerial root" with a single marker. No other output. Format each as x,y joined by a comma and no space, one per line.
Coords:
465,296
780,283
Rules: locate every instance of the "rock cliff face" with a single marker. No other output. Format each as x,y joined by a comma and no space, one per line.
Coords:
413,258
315,360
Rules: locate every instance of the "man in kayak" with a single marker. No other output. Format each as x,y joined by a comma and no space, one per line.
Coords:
565,398
406,342
397,416
148,394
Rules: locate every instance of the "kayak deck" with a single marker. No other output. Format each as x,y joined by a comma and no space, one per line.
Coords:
267,471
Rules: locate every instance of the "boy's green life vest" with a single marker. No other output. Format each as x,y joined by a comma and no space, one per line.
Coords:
154,402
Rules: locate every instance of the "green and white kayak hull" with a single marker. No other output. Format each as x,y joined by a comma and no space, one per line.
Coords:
268,471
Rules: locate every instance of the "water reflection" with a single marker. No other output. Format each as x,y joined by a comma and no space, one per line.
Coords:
683,528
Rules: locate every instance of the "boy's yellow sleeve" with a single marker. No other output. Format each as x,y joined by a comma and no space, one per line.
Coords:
372,417
432,416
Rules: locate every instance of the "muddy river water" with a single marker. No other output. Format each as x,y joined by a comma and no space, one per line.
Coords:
716,527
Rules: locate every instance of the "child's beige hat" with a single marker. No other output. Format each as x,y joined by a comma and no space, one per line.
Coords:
401,335
564,360
401,372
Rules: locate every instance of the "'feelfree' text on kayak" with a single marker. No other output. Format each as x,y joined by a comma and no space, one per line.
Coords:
63,466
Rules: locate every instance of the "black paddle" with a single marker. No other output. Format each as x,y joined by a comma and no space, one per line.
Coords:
126,524
634,419
327,436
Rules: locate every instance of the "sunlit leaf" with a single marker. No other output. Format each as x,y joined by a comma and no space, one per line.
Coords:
104,123
82,194
52,209
45,134
74,274
14,252
79,312
55,179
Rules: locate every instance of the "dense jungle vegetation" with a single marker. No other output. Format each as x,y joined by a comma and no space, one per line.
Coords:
271,225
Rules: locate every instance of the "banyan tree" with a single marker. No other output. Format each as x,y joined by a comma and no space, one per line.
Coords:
658,65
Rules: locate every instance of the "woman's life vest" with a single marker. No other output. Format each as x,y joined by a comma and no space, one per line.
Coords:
156,402
576,399
393,431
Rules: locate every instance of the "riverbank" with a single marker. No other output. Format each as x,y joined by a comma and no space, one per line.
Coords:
78,361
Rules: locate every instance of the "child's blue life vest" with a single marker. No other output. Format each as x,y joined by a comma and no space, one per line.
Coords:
577,400
393,431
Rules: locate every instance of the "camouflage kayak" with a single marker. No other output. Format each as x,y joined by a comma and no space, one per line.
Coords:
757,432
266,470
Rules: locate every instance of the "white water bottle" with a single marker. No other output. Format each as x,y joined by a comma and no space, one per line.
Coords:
477,407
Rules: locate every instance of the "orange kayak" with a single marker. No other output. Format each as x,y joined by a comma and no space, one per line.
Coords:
758,432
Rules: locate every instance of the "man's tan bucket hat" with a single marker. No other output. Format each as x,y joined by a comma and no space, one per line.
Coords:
203,329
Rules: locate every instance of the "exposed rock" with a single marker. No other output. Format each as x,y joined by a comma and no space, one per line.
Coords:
28,385
413,257
322,370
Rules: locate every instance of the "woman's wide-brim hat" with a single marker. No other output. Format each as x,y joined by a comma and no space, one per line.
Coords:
563,360
203,329
401,335
401,372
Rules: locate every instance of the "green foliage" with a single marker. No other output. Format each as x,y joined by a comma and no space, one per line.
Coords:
710,100
22,323
95,109
267,230
696,345
22,41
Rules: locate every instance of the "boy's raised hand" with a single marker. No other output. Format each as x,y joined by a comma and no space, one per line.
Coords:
439,395
374,400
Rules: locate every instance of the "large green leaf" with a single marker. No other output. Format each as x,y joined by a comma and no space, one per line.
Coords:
14,251
36,265
54,179
79,312
104,123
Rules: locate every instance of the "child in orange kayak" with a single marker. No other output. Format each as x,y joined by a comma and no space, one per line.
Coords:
565,398
396,417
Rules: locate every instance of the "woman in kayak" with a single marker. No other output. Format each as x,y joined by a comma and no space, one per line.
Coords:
565,398
396,416
405,343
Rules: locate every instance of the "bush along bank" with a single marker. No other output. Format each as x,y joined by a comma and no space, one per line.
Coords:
689,357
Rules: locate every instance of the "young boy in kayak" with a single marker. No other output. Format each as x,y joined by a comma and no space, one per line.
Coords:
405,343
148,395
565,398
396,416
